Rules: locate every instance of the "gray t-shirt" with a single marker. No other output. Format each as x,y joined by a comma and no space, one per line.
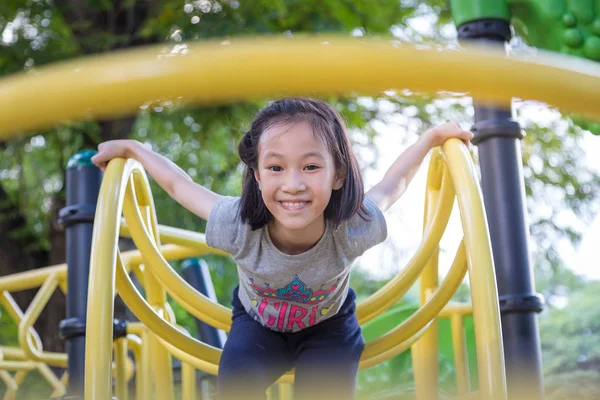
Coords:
284,292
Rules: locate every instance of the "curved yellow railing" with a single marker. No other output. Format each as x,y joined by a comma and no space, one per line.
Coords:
126,184
232,69
449,168
333,64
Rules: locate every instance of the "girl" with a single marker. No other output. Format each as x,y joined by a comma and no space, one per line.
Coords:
301,221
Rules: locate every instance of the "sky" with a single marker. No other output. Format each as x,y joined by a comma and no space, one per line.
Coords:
405,218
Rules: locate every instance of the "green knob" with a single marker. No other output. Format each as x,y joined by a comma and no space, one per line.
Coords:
569,20
573,38
82,158
591,48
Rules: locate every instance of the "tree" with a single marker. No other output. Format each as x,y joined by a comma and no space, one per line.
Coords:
37,32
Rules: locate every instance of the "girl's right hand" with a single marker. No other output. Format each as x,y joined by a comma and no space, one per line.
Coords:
112,149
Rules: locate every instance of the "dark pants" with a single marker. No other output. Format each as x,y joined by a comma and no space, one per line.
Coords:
325,356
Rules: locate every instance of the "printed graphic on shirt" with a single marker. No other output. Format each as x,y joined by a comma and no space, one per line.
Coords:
277,308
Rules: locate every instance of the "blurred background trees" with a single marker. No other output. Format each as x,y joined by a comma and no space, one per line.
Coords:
561,185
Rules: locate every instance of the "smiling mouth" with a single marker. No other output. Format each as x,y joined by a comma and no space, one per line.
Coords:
293,205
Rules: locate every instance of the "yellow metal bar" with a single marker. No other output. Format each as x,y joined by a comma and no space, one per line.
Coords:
459,347
51,378
397,287
191,240
188,382
120,349
285,391
456,308
240,68
146,366
157,297
31,279
426,313
194,302
156,324
425,351
26,325
134,344
64,381
169,252
10,365
16,314
20,376
11,386
486,314
98,344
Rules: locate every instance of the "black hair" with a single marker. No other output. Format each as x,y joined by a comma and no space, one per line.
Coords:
327,124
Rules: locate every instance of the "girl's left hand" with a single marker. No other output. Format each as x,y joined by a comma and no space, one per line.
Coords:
439,134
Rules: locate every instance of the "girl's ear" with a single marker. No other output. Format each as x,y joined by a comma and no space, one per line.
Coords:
257,177
339,181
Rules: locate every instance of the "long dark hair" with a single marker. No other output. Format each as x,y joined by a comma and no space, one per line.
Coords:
327,125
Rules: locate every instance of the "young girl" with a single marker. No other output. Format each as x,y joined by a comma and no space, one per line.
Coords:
301,221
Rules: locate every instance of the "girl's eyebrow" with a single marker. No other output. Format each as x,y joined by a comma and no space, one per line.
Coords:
309,154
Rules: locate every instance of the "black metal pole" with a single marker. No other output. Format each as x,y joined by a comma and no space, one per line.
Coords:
497,137
83,184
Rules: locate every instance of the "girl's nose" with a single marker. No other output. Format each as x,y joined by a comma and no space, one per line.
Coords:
293,183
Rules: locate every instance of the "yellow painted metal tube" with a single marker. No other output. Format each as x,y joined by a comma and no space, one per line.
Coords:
64,381
100,311
188,382
20,376
10,365
26,325
31,279
134,344
285,391
456,308
120,349
146,366
116,84
138,305
51,378
397,287
425,351
168,251
182,237
16,314
193,301
11,386
157,298
486,314
459,347
426,312
392,352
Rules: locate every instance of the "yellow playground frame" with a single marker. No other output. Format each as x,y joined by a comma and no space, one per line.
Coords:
327,65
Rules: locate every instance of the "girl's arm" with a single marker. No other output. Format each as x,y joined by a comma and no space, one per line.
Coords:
167,174
399,175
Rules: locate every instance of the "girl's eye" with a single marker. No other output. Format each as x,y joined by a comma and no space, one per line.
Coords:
311,167
275,168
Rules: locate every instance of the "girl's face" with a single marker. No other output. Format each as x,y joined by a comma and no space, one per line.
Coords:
296,175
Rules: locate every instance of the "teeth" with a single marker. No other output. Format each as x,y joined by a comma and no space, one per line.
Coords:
287,204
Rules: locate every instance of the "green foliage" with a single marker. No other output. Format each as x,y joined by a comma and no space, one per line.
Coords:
571,335
571,346
9,331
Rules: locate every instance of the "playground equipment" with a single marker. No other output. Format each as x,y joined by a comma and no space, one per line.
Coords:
125,181
328,65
